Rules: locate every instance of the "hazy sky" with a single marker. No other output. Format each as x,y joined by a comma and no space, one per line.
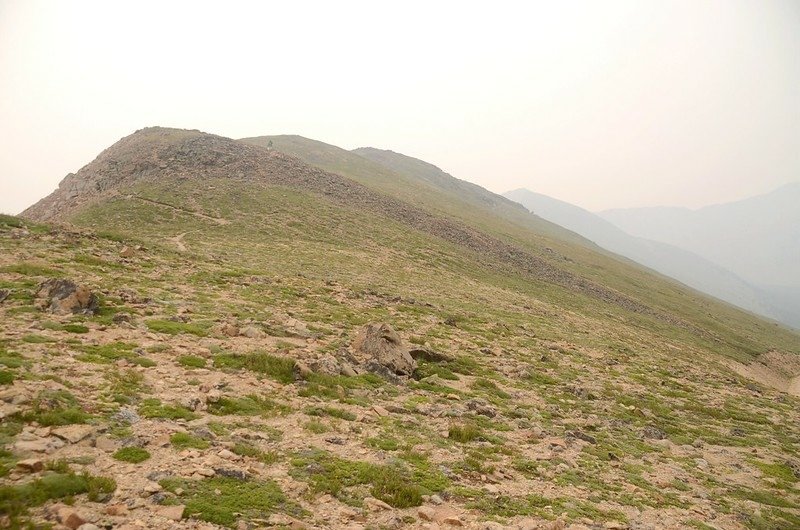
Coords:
603,104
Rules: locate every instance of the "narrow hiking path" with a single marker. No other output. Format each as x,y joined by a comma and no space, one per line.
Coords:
218,220
178,240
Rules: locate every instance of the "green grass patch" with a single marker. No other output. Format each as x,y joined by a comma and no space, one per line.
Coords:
316,426
225,501
251,405
107,353
35,338
465,433
280,369
134,455
350,481
383,443
332,412
16,500
153,408
191,361
29,269
489,387
339,387
75,328
183,440
251,451
546,508
170,327
54,408
6,377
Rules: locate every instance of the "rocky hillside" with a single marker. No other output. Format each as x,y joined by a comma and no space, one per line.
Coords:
204,333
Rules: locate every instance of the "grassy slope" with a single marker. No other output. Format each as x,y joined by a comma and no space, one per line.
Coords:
549,360
565,363
739,334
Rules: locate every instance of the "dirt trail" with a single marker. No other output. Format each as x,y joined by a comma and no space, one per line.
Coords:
178,240
218,220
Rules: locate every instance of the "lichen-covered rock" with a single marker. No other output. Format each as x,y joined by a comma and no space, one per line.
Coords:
380,345
63,297
327,365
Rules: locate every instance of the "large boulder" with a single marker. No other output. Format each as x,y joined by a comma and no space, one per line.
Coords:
378,345
63,297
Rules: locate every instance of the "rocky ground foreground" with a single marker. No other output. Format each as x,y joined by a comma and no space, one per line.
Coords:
140,389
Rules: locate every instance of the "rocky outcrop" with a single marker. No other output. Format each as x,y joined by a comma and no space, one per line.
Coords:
379,348
63,297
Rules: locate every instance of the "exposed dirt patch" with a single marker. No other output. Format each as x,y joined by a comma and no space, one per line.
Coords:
774,369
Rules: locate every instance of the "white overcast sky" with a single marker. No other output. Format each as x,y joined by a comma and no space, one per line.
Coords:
602,104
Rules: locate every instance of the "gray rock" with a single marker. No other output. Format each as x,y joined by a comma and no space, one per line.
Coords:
327,365
378,346
653,433
62,297
230,473
126,416
481,407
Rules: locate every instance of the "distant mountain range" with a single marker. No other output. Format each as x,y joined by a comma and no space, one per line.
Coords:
746,253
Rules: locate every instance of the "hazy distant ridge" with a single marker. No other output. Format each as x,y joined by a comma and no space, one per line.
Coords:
666,255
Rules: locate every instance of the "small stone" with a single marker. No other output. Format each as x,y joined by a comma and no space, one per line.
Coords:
127,252
252,332
452,520
327,365
39,445
426,513
70,518
104,443
376,505
447,515
348,370
653,433
301,371
174,513
153,487
227,455
117,510
237,474
205,472
73,433
30,465
88,526
213,396
380,411
276,519
229,330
